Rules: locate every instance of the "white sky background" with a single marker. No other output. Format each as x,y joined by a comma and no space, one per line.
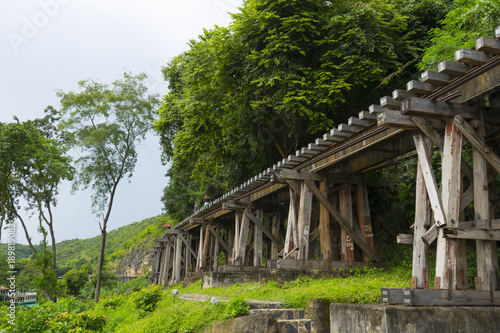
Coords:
49,45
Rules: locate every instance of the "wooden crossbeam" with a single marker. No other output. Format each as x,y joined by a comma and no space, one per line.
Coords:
422,107
425,126
300,175
471,234
264,229
392,118
219,239
405,239
340,220
430,181
188,246
488,45
477,142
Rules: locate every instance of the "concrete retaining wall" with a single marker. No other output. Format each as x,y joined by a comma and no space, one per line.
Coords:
226,279
393,318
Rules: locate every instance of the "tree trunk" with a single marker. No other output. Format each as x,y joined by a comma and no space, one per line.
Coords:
101,263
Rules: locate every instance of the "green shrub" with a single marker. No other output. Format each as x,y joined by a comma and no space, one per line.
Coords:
236,307
72,322
147,298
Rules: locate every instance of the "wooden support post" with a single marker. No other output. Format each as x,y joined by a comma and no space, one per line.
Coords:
230,244
304,220
188,253
242,242
365,220
420,265
487,254
450,253
177,261
217,241
257,242
236,242
341,221
347,250
324,227
275,230
206,246
167,264
199,264
291,229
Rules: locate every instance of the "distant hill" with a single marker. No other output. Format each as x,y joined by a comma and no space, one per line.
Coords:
136,237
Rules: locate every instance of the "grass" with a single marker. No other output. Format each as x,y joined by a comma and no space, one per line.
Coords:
122,311
362,287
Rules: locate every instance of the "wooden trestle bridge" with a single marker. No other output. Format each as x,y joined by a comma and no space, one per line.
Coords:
291,213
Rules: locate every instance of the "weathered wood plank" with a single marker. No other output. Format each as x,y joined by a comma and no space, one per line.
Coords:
304,221
178,256
430,181
324,226
259,224
364,217
395,119
486,250
420,263
471,57
450,254
356,122
453,68
389,102
401,95
365,115
419,87
347,245
425,126
334,132
488,45
432,297
436,78
219,239
340,220
257,239
275,230
476,234
291,230
430,235
477,142
404,239
244,229
300,175
421,107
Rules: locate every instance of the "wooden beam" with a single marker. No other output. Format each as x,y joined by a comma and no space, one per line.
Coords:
257,239
188,246
300,175
364,217
478,143
419,87
219,239
291,230
486,250
304,221
324,227
340,220
263,228
430,181
453,68
471,57
394,118
431,235
425,126
436,78
242,246
420,261
405,239
488,45
295,186
422,107
475,234
451,257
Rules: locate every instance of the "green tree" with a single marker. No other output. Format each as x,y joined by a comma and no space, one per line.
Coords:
464,23
74,280
243,97
106,124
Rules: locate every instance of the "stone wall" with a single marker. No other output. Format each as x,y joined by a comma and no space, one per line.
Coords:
395,318
226,279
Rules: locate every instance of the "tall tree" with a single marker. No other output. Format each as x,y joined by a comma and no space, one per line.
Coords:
106,124
33,163
285,71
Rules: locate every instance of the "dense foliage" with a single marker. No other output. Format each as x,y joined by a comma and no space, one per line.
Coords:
244,97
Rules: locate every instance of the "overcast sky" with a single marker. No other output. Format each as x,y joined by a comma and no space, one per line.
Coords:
49,45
